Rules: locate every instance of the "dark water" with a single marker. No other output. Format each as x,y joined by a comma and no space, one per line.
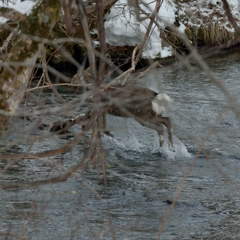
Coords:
142,179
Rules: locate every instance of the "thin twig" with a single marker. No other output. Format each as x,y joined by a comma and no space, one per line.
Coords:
44,63
102,40
182,183
10,36
88,39
142,74
139,48
230,17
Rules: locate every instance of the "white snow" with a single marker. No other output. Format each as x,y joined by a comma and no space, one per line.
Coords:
181,28
22,7
124,29
232,3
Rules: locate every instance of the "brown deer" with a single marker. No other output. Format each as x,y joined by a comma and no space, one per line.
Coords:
129,101
142,104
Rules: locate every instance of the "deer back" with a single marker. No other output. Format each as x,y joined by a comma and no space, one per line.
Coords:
129,100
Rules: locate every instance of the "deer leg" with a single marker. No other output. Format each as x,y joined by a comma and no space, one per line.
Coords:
86,122
161,135
83,121
153,122
156,123
105,130
167,122
61,127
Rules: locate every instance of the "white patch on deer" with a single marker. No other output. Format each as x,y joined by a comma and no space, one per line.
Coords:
158,103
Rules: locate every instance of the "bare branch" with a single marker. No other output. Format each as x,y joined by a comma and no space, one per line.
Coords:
6,42
67,15
142,74
103,46
88,39
90,9
12,14
230,17
47,76
13,82
58,179
138,49
149,28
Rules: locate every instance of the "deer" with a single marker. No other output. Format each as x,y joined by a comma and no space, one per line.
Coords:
130,101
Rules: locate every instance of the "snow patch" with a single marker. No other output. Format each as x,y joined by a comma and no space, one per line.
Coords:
22,7
123,28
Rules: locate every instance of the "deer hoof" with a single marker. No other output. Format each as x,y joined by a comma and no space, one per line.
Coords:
172,148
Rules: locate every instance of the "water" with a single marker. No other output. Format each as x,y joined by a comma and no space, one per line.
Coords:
142,178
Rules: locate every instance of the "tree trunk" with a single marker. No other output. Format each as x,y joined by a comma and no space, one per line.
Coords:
22,58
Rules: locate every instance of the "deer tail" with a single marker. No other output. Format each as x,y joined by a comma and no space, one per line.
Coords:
159,102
